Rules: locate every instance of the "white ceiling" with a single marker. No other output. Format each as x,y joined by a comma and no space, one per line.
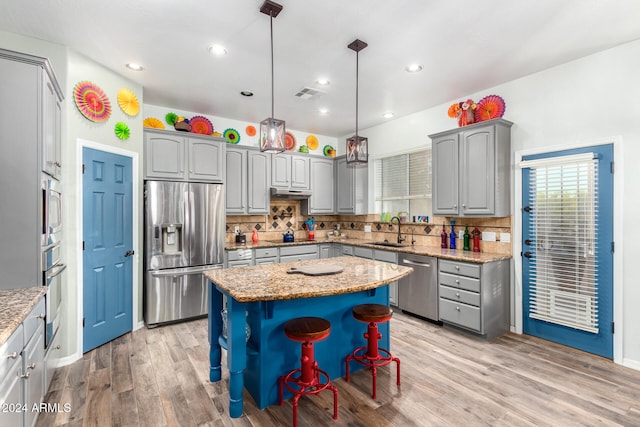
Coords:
465,46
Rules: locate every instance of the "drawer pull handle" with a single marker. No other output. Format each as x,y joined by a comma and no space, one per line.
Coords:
457,268
25,376
457,308
457,281
13,355
40,316
458,294
32,366
58,347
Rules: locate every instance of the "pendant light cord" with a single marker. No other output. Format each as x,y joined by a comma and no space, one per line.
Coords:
357,137
272,96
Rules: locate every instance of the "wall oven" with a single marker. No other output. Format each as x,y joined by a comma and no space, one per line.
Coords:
54,280
51,211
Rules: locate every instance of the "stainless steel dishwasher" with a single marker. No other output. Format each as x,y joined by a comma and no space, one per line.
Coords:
418,292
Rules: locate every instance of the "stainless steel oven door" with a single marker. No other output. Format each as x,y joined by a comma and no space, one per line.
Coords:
53,299
50,258
52,212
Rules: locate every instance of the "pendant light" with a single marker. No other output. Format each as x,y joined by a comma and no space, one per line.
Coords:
272,130
357,152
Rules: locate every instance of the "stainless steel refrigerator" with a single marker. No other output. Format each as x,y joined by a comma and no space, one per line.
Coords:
184,235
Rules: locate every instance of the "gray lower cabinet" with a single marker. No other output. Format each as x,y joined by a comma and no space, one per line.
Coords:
475,296
29,93
174,156
322,200
298,253
325,250
392,257
266,256
471,170
351,187
22,383
290,171
239,258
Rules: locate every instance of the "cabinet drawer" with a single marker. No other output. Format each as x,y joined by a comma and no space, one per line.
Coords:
459,295
302,257
299,250
267,261
386,256
461,314
461,282
240,254
363,252
347,250
34,319
266,252
9,349
240,263
463,268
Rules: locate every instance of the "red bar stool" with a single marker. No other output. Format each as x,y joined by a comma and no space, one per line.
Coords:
373,314
307,330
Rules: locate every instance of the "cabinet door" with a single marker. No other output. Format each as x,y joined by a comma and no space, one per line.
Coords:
477,172
236,178
34,367
325,251
345,188
280,170
258,182
322,198
206,160
164,156
11,396
299,172
445,175
50,128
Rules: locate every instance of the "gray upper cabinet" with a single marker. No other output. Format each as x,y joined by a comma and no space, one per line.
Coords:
289,171
29,93
236,180
247,179
471,170
351,187
258,182
180,157
322,200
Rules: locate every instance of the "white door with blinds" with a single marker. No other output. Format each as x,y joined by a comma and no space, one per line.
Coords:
567,248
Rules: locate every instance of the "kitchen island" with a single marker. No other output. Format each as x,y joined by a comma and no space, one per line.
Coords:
265,297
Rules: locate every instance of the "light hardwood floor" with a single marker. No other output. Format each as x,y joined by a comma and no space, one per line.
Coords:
156,377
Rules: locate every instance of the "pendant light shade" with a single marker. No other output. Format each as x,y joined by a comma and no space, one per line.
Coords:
357,146
272,130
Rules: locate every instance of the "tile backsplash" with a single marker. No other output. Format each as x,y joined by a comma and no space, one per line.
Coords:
285,215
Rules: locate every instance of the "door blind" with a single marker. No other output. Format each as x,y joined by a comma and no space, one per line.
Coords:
563,267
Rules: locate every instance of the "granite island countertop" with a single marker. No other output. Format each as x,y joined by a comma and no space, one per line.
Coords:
15,304
272,282
455,255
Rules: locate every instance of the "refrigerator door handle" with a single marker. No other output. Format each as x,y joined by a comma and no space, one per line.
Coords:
183,271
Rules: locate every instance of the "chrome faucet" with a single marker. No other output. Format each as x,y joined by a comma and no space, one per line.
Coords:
400,238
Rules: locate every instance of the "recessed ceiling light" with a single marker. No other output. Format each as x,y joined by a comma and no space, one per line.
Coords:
323,82
323,110
133,66
413,68
387,115
246,93
217,50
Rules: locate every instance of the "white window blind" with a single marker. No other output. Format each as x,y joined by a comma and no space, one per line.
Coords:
563,269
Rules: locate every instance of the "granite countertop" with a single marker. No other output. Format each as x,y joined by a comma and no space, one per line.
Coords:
15,304
272,282
455,255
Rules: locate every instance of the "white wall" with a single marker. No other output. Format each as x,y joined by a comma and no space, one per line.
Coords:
592,99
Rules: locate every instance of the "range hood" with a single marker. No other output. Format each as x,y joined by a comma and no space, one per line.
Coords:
289,193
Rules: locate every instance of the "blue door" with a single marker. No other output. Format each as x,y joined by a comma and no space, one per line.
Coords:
107,238
567,248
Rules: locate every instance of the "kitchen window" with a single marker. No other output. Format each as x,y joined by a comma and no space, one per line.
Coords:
403,183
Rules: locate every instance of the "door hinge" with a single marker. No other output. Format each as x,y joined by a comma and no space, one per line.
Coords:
613,327
83,322
83,168
83,245
613,247
613,167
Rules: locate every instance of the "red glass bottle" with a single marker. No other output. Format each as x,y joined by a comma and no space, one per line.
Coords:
476,239
443,238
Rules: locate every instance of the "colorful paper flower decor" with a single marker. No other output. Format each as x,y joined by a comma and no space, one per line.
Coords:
170,118
251,130
231,135
201,125
128,102
92,102
122,131
468,112
152,122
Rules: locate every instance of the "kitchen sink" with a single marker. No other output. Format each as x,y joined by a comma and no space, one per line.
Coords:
389,244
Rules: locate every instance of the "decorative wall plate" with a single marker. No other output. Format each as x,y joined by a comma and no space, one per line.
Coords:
128,102
152,122
92,102
201,125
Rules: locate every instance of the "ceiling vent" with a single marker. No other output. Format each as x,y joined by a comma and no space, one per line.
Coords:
309,93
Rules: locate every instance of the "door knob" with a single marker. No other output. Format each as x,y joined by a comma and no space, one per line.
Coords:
129,253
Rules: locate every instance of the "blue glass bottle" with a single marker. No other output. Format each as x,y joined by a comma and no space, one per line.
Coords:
452,236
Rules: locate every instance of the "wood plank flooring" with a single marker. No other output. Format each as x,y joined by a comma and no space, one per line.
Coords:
159,377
